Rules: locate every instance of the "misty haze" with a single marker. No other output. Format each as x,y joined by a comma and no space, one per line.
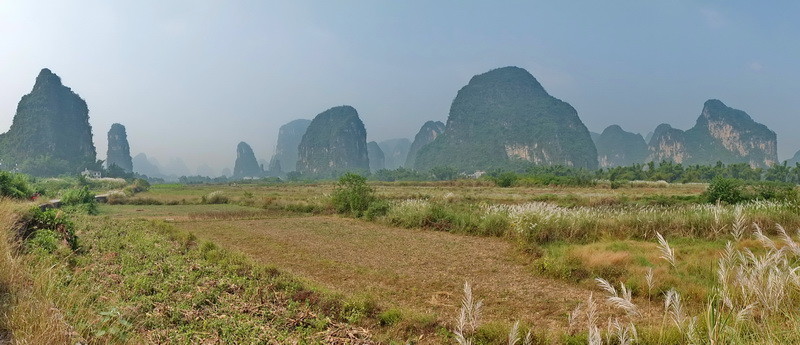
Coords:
312,172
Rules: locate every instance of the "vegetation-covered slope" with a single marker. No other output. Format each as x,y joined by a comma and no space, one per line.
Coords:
505,115
616,147
335,142
50,134
119,151
427,134
246,164
377,160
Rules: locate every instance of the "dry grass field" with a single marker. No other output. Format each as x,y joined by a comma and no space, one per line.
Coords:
560,260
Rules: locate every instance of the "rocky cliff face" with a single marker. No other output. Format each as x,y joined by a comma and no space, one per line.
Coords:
119,152
246,164
395,151
721,134
50,133
616,147
506,115
334,143
289,136
667,144
427,134
377,160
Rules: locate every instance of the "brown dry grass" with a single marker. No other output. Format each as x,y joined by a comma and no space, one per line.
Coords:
415,269
287,194
27,312
596,259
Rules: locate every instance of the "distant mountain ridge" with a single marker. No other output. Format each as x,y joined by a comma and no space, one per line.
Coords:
721,134
395,152
616,147
503,116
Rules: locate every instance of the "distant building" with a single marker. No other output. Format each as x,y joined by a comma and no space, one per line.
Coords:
91,173
477,174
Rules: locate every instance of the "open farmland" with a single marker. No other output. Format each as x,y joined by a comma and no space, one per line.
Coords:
214,261
415,265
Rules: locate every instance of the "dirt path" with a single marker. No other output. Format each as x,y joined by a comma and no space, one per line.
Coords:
418,269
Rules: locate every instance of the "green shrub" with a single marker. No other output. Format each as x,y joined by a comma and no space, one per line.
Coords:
725,190
77,196
506,179
352,195
495,224
44,239
390,317
616,184
79,200
444,173
137,186
50,220
14,186
377,208
777,191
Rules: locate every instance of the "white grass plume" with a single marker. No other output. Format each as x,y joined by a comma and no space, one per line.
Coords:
674,307
606,286
667,253
763,239
513,334
591,311
648,278
738,227
469,317
574,316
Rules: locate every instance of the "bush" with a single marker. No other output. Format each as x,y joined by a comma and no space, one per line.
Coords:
444,173
352,195
137,185
50,220
409,213
495,224
725,190
79,200
377,208
506,179
45,239
14,186
214,198
77,196
390,317
777,191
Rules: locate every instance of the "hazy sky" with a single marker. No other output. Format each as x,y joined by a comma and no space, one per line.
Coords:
193,78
